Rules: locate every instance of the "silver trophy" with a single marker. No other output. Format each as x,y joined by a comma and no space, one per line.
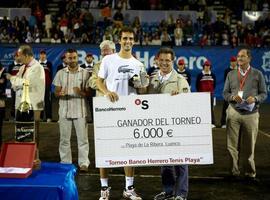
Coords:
141,80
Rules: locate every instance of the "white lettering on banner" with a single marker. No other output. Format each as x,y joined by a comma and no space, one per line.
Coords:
191,62
141,137
267,81
144,59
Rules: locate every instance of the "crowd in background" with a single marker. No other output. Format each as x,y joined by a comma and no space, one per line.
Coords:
74,23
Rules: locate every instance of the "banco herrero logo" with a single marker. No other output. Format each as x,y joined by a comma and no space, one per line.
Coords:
109,109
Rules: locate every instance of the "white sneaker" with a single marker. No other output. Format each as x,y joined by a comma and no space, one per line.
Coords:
180,198
213,126
223,126
105,193
49,120
131,194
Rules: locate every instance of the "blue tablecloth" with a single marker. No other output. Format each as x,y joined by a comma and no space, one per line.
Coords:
54,181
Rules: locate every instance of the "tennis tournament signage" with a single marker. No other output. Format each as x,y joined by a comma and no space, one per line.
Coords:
153,130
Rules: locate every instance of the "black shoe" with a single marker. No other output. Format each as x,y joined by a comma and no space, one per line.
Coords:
251,180
234,178
164,196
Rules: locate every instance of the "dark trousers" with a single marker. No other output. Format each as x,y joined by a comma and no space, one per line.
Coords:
175,180
90,101
13,100
223,115
212,110
48,103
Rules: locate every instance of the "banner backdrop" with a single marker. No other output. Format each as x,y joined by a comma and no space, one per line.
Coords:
194,58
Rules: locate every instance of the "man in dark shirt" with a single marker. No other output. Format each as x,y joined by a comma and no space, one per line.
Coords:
13,70
206,82
182,70
89,63
64,62
89,66
48,81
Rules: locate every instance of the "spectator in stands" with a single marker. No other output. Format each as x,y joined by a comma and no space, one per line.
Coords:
245,90
37,35
67,38
3,84
233,66
32,22
4,37
94,4
181,69
64,23
13,39
188,33
156,39
118,17
47,65
165,38
55,39
39,14
71,8
48,25
29,37
84,39
206,82
178,35
107,35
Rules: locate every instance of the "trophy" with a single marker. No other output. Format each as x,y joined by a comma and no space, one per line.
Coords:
141,80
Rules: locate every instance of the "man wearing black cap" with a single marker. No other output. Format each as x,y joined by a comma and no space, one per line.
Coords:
233,66
64,62
89,66
89,63
47,65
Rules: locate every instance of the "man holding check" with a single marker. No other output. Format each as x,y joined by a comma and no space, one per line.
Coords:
119,75
167,80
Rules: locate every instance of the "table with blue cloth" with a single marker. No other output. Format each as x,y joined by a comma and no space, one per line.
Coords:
54,181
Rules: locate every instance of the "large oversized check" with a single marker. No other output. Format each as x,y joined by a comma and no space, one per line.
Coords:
153,130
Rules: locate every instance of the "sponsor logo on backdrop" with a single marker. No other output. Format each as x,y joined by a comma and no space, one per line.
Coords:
266,61
266,67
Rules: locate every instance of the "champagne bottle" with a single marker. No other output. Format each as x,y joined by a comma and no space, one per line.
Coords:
25,125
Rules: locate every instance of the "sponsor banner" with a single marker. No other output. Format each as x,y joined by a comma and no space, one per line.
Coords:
153,130
194,58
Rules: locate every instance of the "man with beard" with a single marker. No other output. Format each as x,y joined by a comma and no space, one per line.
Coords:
72,90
